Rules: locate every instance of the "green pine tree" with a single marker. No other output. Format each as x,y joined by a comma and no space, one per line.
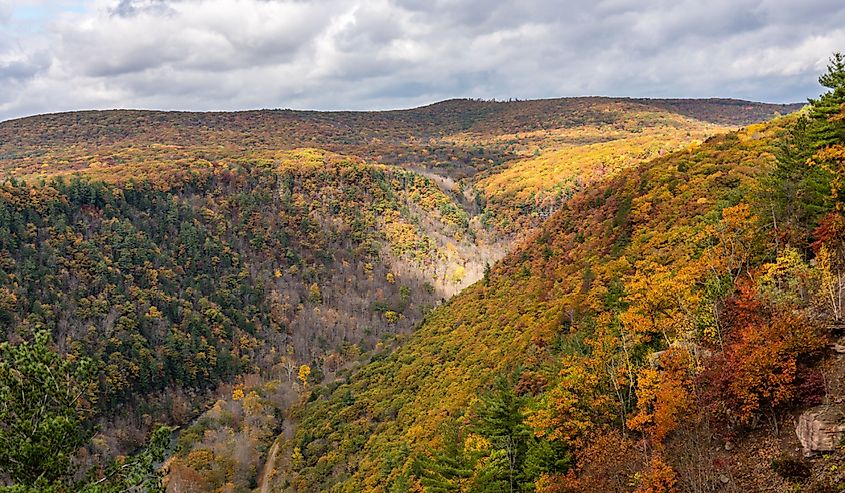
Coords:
138,473
828,126
45,411
502,421
798,193
449,469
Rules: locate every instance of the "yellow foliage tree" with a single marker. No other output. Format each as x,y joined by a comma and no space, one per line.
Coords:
314,294
661,303
572,407
458,274
735,241
304,372
832,159
832,284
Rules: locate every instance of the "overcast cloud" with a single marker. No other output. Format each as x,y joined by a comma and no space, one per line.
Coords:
58,55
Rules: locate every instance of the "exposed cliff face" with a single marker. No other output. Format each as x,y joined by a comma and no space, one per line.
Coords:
821,429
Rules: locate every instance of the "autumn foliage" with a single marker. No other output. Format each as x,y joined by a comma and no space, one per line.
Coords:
280,279
679,298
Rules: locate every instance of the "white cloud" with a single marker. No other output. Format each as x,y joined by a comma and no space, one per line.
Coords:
361,54
5,11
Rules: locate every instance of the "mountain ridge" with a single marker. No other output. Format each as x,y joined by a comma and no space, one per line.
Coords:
787,107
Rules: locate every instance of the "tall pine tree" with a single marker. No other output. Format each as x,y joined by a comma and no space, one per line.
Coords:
827,110
449,469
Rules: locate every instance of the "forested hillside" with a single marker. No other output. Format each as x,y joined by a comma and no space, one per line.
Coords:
661,332
297,258
208,270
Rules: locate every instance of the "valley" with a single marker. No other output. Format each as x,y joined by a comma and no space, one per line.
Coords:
348,292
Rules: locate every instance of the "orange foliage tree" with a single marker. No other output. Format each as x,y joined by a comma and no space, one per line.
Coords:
658,478
663,396
608,463
760,368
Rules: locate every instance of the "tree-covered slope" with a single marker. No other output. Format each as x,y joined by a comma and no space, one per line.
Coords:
206,270
681,304
531,309
172,288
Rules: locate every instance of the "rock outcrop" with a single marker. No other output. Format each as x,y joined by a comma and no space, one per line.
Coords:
821,429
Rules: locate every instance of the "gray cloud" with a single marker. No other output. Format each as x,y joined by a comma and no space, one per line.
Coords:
130,8
374,54
22,69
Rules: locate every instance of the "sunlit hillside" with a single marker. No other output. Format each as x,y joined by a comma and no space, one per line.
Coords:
672,327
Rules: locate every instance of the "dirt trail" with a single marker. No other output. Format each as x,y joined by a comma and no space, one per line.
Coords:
268,468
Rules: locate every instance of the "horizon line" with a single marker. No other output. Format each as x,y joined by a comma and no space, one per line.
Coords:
400,109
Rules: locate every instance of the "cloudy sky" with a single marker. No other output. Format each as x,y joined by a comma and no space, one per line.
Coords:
58,55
